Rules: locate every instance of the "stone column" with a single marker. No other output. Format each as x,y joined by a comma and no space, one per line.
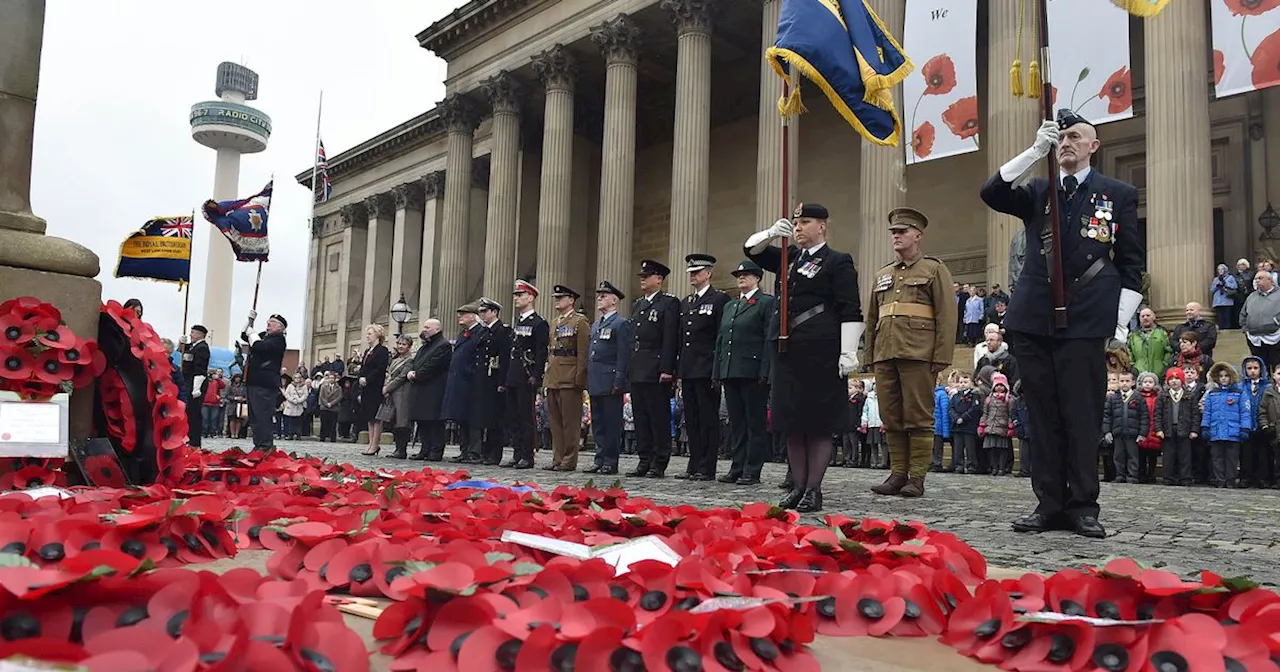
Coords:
769,146
408,243
882,181
461,118
691,155
351,264
618,40
1009,129
1180,243
505,93
378,260
557,69
428,296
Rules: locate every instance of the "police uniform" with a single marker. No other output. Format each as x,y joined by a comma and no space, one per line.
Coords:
493,359
529,343
195,372
699,321
655,324
911,318
565,380
1102,264
742,367
607,382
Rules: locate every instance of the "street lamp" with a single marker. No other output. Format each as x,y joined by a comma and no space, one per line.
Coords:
400,313
1269,220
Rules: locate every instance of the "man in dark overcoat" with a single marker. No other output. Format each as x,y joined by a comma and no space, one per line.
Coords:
427,382
458,401
742,363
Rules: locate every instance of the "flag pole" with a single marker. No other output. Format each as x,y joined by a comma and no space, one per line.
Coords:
784,272
1046,99
186,286
311,219
257,281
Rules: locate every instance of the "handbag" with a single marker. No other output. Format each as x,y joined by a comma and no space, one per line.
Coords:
386,412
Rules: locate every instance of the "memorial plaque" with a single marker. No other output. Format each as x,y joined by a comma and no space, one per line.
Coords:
33,428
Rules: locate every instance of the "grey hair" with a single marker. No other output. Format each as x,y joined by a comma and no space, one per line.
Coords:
1147,374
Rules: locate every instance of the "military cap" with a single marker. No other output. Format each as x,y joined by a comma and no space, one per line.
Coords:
698,262
607,287
748,266
487,303
469,308
1068,118
560,290
651,267
280,318
525,287
904,218
200,328
810,210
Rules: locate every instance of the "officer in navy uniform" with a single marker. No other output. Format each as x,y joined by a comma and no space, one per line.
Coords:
531,336
655,323
607,377
195,370
700,314
1064,370
493,359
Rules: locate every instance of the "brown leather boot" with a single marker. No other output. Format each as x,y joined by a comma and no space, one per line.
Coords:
891,486
913,488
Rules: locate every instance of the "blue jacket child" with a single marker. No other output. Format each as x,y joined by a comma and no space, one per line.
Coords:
941,412
1227,415
965,405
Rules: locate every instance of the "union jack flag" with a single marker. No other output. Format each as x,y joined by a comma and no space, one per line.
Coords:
177,227
323,187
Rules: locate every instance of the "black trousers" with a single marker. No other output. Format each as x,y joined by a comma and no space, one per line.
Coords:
1177,460
1126,457
470,440
702,424
1255,458
1024,457
606,428
492,444
939,447
651,407
262,408
964,451
747,401
1064,381
431,434
328,425
195,420
522,416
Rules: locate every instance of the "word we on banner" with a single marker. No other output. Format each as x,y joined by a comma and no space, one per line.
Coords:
1246,45
940,99
1089,54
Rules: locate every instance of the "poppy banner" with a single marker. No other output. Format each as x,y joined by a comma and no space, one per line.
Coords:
1094,81
1246,45
940,99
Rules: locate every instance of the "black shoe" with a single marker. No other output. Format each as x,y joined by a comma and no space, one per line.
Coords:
398,455
810,502
702,477
1037,523
787,485
608,470
749,480
655,473
729,478
511,464
418,456
593,469
686,476
523,464
639,472
549,467
492,463
1088,526
791,499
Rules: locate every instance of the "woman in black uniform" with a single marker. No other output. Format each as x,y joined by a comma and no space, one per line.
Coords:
810,380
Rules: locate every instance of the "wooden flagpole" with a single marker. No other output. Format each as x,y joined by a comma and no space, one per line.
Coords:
1046,99
257,281
186,286
784,271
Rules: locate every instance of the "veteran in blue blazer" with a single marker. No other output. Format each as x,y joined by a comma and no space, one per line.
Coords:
607,377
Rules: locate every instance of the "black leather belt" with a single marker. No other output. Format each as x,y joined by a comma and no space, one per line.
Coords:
1090,273
808,315
564,353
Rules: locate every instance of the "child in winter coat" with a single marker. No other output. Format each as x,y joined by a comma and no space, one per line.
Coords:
1124,419
1268,418
873,429
1149,444
853,437
1177,425
1226,421
996,427
1106,447
1201,465
1257,446
1021,429
941,420
966,411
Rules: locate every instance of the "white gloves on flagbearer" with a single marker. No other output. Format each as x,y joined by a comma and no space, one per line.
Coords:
196,383
1046,139
184,340
253,315
1129,302
761,239
850,335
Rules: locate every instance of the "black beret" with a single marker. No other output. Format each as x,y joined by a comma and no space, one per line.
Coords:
280,318
813,210
1068,118
199,328
607,287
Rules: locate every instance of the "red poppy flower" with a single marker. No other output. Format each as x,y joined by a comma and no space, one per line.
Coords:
1219,66
939,75
1266,59
59,338
1251,7
48,369
962,117
15,331
1047,647
104,471
17,365
922,140
30,309
984,618
1118,89
1192,642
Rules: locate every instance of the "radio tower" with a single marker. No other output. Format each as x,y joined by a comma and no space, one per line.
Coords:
231,128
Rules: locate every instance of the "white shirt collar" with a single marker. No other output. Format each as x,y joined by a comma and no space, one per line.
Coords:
702,291
649,297
815,248
489,325
751,293
525,315
1080,176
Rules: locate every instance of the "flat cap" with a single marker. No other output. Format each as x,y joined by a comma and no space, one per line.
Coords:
525,287
280,318
1068,118
905,218
651,267
813,210
607,287
560,290
697,262
748,266
469,308
486,303
200,328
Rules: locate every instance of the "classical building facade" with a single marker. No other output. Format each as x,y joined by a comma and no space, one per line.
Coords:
579,136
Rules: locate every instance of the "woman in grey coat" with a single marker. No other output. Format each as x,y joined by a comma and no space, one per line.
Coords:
394,412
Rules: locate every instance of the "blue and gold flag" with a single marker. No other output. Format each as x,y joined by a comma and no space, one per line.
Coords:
842,46
244,223
160,250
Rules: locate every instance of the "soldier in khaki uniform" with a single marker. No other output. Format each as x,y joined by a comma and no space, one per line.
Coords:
911,322
566,379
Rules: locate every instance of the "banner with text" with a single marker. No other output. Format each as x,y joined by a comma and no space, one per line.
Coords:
1091,78
1246,45
942,94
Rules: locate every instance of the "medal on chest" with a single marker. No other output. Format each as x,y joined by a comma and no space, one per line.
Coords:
524,331
884,282
653,316
1098,222
706,309
809,268
565,331
606,334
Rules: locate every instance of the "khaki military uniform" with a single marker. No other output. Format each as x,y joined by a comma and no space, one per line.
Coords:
566,378
911,326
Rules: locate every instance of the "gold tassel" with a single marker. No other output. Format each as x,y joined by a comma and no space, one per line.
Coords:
790,106
1015,78
1035,85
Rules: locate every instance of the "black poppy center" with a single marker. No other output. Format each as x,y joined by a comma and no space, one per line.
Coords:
132,616
135,548
827,607
653,600
911,611
987,629
170,546
458,641
562,659
1061,648
14,547
213,657
19,626
192,542
274,640
1233,665
727,657
174,625
619,593
871,609
1107,610
1146,612
764,648
1016,639
1169,661
394,573
538,591
1073,608
505,655
319,660
254,531
360,573
12,363
91,546
72,355
12,333
580,593
684,659
52,336
687,603
935,80
52,552
1111,657
52,366
626,660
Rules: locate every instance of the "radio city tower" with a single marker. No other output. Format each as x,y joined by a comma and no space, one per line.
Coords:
231,128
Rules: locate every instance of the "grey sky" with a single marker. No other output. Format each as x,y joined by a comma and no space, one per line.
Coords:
113,147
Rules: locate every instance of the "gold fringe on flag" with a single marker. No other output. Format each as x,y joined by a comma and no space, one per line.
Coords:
1143,8
790,105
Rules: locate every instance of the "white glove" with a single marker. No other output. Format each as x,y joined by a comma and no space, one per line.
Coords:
1046,139
1129,302
760,239
363,381
196,383
253,315
782,229
184,340
850,334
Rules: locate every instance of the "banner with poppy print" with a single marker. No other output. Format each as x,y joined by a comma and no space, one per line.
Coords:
1092,78
940,99
1246,45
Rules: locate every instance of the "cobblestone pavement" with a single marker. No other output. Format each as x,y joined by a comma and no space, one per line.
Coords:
1232,532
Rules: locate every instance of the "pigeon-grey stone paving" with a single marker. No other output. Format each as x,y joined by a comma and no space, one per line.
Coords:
1182,529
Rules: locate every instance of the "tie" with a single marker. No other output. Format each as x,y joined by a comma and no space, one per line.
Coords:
1069,185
